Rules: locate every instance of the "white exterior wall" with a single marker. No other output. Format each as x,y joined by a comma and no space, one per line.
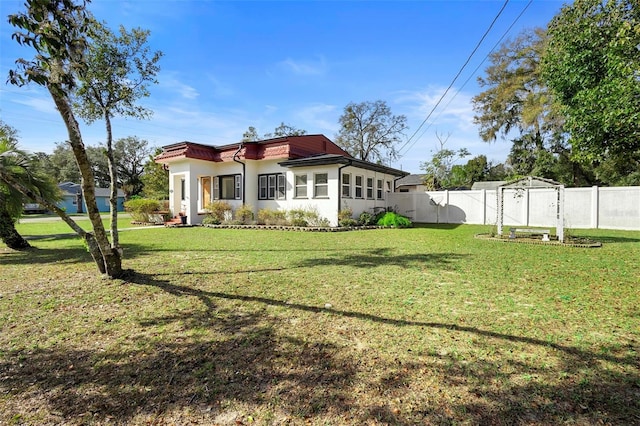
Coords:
191,171
608,208
327,207
364,203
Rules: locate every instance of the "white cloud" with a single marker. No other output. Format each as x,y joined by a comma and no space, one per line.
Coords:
219,89
305,67
455,109
173,84
43,105
319,118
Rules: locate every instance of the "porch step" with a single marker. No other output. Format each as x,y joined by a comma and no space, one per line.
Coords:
174,221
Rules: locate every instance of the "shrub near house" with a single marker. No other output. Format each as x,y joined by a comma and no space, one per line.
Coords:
142,209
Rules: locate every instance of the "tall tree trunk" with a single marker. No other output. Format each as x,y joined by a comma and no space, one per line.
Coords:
111,257
113,199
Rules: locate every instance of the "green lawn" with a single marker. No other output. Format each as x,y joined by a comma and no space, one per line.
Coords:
419,326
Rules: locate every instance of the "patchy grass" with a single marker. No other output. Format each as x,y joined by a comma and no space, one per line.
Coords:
418,326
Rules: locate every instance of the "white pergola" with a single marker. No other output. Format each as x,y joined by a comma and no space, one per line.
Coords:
527,183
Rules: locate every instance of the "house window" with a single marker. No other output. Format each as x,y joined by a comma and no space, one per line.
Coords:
301,186
321,185
205,183
216,188
238,187
346,185
183,189
379,190
388,185
230,187
272,187
370,188
358,186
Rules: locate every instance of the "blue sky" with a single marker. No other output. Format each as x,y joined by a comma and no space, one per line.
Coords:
231,65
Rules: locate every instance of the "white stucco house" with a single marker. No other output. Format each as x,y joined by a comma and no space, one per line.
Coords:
293,172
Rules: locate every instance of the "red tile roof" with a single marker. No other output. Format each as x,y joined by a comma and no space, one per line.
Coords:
286,148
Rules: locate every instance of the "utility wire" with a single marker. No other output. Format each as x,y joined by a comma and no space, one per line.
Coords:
478,67
455,78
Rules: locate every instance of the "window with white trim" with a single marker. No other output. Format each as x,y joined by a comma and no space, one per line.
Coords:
370,188
321,185
346,185
230,187
358,186
272,186
379,190
301,186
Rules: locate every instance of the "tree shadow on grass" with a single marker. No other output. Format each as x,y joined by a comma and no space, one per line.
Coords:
385,257
68,255
250,360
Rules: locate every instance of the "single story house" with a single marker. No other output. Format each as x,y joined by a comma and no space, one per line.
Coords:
293,172
72,193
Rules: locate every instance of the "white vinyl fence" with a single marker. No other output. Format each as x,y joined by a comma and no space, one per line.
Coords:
594,207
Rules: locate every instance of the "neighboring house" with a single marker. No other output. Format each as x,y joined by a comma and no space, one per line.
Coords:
294,172
411,183
488,185
72,194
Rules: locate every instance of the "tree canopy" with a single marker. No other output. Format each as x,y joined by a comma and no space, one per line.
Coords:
592,65
251,135
370,132
517,105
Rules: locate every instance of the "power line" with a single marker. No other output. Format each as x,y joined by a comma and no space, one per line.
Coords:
479,65
455,78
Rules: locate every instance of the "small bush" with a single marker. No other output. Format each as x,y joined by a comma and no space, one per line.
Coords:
216,212
210,220
345,218
272,217
141,209
394,220
244,214
366,219
313,218
297,217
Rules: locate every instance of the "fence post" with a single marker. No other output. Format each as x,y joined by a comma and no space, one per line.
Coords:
595,207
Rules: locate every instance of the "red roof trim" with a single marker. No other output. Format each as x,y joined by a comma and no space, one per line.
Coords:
285,148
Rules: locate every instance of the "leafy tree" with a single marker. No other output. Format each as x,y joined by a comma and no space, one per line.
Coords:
58,32
370,132
517,103
516,99
62,164
131,154
283,130
440,172
251,135
286,130
592,65
118,69
155,179
476,170
18,169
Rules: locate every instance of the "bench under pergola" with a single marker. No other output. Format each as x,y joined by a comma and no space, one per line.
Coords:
525,184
